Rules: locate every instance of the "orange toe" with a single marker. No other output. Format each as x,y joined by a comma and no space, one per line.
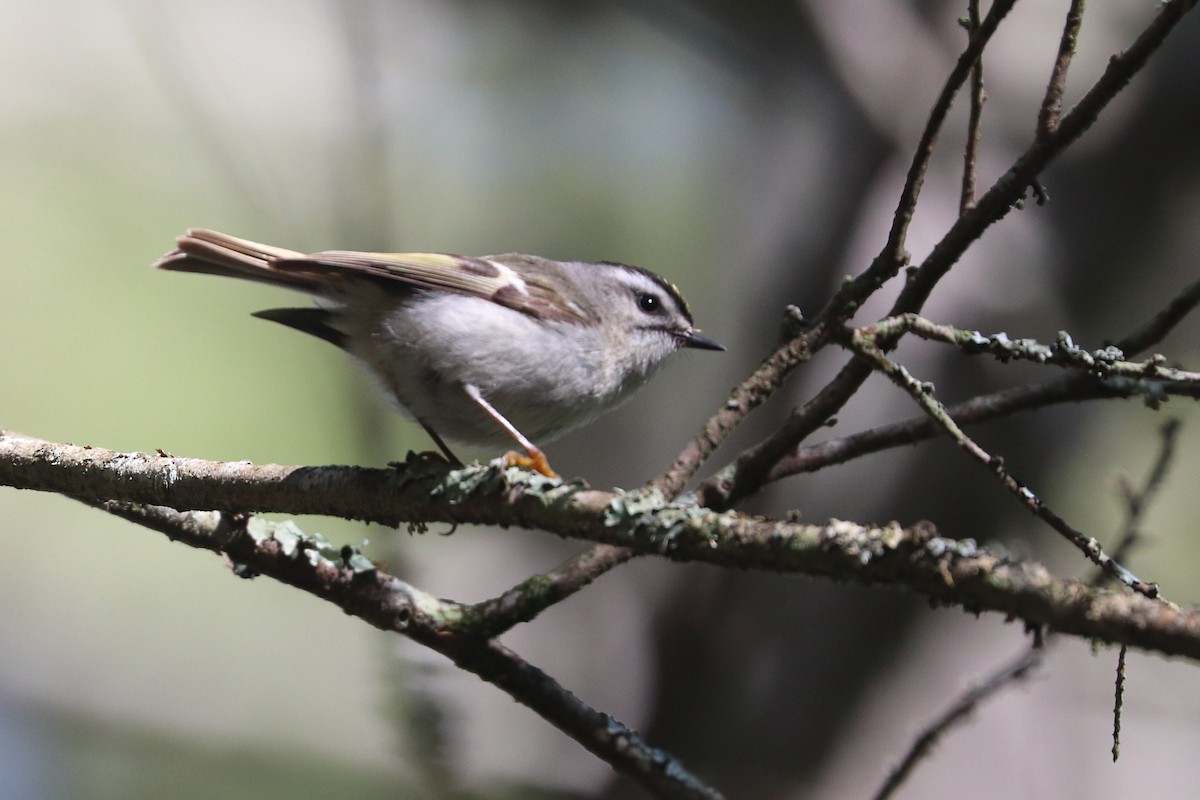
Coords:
535,460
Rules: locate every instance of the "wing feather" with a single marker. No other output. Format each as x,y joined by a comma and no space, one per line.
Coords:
528,287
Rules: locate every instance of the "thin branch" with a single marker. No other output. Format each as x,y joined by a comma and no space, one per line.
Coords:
755,389
1118,703
530,597
1108,362
1051,110
1156,329
892,256
923,745
358,587
1072,388
748,473
862,343
744,398
974,117
1137,501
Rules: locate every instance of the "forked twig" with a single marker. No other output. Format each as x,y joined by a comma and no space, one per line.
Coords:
361,589
770,375
1073,388
750,471
862,343
892,256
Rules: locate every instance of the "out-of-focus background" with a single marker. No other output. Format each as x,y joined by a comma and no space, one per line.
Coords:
750,152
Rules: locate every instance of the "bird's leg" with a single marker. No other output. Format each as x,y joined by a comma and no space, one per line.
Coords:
536,460
453,459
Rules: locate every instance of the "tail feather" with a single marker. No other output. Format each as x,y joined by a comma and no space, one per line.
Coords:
212,253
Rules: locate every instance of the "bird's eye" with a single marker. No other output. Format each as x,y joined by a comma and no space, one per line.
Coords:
649,303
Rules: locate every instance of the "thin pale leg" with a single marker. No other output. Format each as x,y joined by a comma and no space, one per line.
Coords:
536,458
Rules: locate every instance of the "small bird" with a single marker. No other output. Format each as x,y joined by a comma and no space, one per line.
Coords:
482,350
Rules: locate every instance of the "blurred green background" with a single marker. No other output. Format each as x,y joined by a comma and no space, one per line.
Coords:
749,152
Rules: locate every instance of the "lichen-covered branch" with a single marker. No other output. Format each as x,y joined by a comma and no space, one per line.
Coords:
1107,362
361,589
944,570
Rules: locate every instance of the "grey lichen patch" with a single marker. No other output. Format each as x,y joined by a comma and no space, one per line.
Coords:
865,544
459,485
629,509
532,481
649,519
294,543
480,480
941,547
442,614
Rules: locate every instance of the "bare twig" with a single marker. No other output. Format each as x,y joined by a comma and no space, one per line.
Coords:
1138,500
791,354
957,713
1118,703
1156,329
1051,110
748,473
1072,388
892,257
529,598
744,398
996,203
974,117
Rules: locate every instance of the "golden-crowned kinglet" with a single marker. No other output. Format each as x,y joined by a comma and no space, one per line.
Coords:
479,349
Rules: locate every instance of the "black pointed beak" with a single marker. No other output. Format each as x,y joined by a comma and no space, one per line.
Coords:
692,338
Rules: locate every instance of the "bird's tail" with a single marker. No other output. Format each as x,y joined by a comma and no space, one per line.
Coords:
211,253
